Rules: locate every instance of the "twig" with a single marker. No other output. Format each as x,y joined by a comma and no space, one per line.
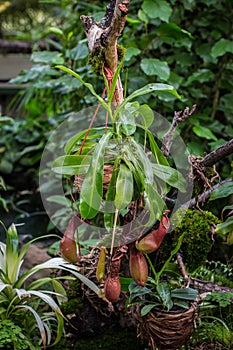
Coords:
168,137
182,267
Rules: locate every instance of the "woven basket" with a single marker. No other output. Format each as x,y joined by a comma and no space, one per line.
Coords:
166,330
78,179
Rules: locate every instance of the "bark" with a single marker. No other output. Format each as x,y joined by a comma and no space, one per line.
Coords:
104,35
215,156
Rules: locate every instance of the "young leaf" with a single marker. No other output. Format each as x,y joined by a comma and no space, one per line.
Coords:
124,187
92,187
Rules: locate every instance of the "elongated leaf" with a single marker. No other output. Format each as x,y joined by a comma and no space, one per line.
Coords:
156,204
87,85
124,187
92,187
147,308
38,321
164,292
109,209
150,88
184,293
11,254
60,263
93,132
114,80
222,191
71,164
159,157
225,227
143,160
171,176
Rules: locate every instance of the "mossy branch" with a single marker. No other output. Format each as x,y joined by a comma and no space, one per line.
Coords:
102,37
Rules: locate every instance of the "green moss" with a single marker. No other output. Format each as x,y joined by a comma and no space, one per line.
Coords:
121,51
197,240
97,59
75,302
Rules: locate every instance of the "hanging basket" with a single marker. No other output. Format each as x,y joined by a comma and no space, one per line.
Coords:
166,330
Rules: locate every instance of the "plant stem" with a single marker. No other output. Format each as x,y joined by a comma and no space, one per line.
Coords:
114,231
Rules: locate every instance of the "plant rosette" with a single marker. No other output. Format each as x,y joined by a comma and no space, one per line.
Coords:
119,170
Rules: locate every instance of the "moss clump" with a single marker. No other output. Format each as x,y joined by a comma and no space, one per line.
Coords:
197,240
97,59
75,302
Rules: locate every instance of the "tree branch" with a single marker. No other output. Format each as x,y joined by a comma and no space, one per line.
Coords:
25,47
104,35
168,137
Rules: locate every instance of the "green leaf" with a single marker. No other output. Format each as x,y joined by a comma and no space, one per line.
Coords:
109,209
153,66
38,321
159,156
157,9
204,132
131,52
221,47
71,164
147,308
128,121
87,85
92,187
156,204
149,88
124,188
184,293
164,292
171,176
125,282
201,75
172,33
225,227
222,191
72,142
146,114
47,57
56,31
12,260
